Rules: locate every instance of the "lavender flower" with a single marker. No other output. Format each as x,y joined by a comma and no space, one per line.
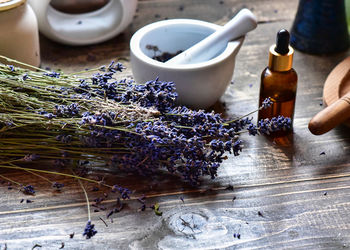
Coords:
142,207
274,124
29,189
64,138
50,116
267,103
252,129
9,124
11,67
158,94
83,85
70,110
25,77
123,191
89,230
237,147
142,199
31,157
53,74
57,186
115,67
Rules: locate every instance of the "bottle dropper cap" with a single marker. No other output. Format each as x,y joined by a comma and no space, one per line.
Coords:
281,54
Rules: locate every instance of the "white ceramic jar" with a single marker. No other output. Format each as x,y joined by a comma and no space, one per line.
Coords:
19,36
84,28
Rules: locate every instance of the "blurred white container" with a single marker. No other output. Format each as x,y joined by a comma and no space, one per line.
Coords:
85,28
19,37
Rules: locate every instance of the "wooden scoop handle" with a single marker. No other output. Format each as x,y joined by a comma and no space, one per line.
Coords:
330,117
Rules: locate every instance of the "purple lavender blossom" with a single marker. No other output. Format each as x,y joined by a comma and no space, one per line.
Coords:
29,189
25,77
237,147
9,124
57,186
53,74
70,110
11,67
89,230
50,116
66,139
123,191
267,103
252,129
267,126
31,157
158,94
115,67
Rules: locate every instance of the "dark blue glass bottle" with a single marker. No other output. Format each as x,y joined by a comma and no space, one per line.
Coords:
320,27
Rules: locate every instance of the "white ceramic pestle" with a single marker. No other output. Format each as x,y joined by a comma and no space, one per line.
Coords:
212,45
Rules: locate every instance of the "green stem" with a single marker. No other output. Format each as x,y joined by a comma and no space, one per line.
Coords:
8,179
55,173
83,71
240,118
86,196
21,63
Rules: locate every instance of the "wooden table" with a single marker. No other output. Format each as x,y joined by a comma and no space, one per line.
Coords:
292,194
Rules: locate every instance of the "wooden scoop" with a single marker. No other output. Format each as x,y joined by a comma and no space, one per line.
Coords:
336,95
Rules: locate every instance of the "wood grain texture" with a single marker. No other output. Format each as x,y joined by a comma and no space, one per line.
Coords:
288,194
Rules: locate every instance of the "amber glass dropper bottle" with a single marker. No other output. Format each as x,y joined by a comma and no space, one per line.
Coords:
279,82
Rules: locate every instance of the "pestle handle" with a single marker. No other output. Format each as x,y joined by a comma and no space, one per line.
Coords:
210,46
330,117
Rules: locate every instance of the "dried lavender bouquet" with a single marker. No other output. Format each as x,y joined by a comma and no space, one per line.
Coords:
129,126
73,119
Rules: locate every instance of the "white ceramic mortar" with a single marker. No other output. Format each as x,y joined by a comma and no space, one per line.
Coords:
199,85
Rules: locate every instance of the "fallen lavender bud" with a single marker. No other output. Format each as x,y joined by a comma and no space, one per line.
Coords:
29,189
142,208
89,230
123,191
57,186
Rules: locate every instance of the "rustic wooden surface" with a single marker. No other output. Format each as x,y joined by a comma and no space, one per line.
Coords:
290,194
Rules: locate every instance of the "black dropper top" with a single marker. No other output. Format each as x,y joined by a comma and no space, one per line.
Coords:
282,42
